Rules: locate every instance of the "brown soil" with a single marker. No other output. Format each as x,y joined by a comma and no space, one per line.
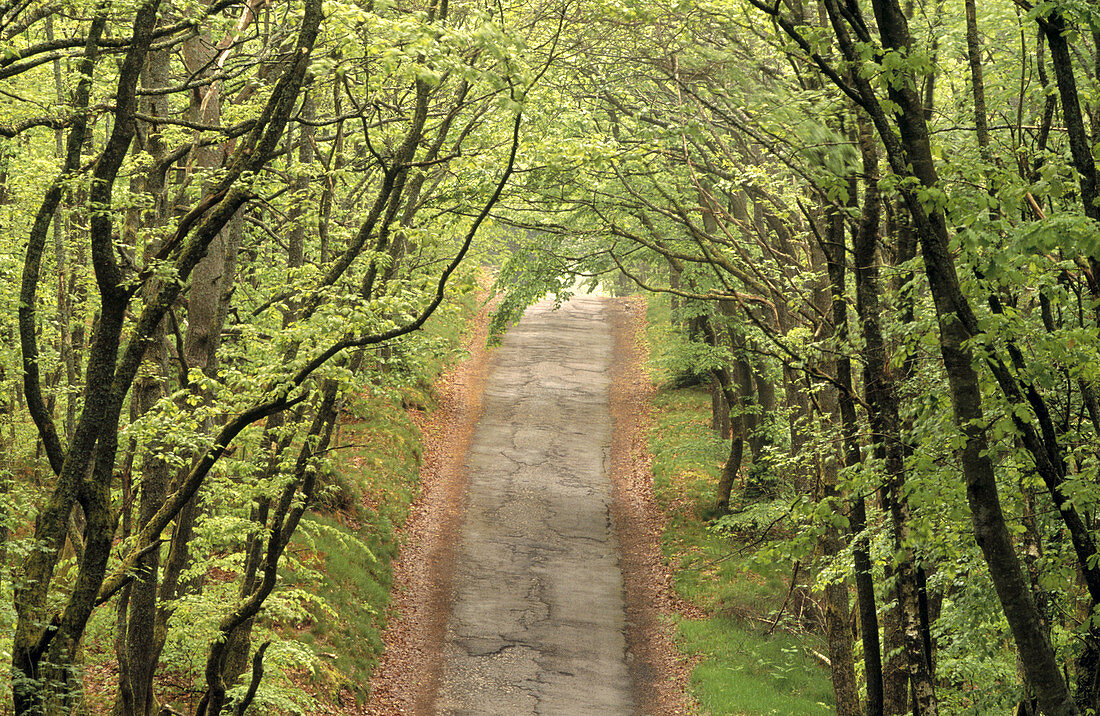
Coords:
406,680
660,671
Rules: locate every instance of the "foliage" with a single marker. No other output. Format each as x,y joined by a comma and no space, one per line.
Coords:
877,228
222,222
732,575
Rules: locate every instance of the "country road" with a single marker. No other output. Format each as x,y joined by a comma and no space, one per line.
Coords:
537,620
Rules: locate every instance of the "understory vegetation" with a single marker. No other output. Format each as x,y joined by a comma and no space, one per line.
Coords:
875,224
757,643
349,544
226,226
756,570
324,623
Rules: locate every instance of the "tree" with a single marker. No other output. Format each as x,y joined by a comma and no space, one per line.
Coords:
730,139
171,203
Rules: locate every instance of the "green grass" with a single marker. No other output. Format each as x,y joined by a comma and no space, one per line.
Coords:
746,673
355,587
742,669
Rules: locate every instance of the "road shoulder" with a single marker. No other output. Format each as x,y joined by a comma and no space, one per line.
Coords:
659,671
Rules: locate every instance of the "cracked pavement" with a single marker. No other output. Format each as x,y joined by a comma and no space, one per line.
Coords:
537,621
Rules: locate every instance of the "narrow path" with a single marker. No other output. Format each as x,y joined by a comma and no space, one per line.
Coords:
538,619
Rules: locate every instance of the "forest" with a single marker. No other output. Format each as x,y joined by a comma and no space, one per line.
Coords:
223,222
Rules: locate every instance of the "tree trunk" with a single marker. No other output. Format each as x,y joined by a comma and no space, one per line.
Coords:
765,398
883,412
1087,693
720,421
910,155
839,408
674,300
730,469
866,234
140,603
44,657
734,383
838,634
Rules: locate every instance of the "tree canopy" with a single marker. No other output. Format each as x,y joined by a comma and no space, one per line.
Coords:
876,223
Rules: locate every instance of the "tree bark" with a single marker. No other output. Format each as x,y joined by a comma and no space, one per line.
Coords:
44,653
1054,26
912,149
46,641
866,234
140,603
732,383
837,408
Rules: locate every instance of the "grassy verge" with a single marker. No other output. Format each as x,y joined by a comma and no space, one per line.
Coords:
354,540
744,666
